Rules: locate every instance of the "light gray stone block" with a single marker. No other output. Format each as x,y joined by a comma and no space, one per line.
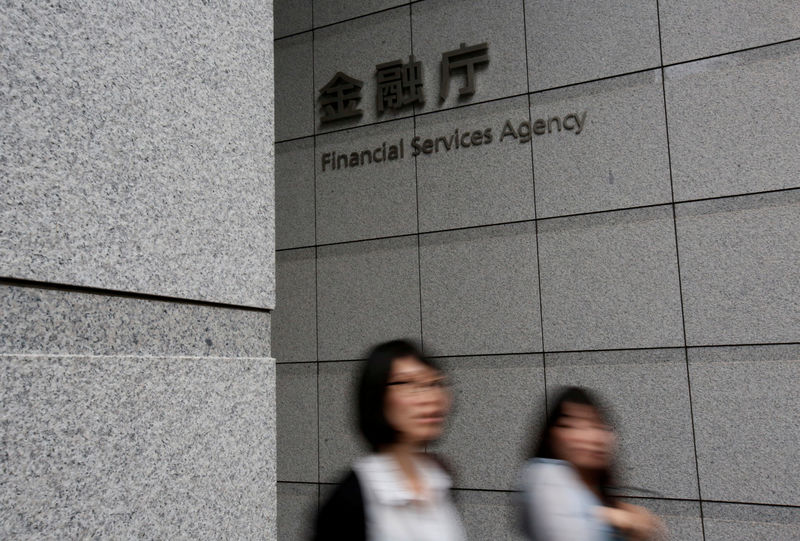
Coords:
355,48
489,515
499,23
291,16
728,128
724,522
498,407
339,440
619,158
369,200
368,293
740,269
297,509
570,42
126,447
476,185
696,28
333,11
746,405
294,87
294,323
680,518
50,321
294,194
479,290
138,148
647,393
297,422
610,281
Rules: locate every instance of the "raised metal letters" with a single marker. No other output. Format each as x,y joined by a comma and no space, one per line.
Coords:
399,84
339,98
463,57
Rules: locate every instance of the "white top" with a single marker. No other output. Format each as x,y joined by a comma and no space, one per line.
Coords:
558,506
395,513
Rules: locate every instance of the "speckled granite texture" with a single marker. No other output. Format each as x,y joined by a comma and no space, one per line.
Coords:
49,321
137,147
114,447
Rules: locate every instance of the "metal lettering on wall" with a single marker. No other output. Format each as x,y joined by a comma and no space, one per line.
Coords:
400,84
521,132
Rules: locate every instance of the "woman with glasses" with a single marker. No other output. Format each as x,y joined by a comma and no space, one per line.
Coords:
399,492
566,484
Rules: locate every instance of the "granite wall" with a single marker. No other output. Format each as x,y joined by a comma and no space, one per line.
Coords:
137,387
654,257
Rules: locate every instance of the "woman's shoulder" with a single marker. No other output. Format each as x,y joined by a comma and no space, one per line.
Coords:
342,514
546,471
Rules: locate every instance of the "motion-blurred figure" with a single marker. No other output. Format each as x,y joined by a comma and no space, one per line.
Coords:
397,493
565,485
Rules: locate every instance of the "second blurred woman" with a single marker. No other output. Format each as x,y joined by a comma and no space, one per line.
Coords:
397,493
567,481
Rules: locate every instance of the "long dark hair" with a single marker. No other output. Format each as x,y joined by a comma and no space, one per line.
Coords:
543,447
372,389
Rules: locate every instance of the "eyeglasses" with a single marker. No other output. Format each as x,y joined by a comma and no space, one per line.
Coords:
418,386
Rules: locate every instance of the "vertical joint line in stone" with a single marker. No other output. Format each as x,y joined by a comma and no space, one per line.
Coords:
416,185
535,218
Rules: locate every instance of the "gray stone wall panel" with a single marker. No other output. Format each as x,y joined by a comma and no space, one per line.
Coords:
610,281
370,200
740,269
294,87
294,323
697,28
570,42
499,23
725,521
728,124
619,158
746,405
498,402
368,293
138,148
294,194
355,48
475,185
123,447
296,403
479,290
52,322
647,394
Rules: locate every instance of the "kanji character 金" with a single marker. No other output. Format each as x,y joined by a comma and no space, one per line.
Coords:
339,98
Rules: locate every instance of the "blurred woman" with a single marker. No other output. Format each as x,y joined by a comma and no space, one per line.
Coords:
565,485
399,492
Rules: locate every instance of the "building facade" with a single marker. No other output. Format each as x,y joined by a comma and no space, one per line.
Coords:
612,201
137,255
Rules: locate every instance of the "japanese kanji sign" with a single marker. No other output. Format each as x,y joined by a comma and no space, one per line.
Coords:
400,84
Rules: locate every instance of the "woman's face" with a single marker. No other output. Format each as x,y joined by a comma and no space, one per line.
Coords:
581,437
417,400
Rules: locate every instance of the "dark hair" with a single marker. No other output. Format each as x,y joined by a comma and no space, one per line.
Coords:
372,389
543,446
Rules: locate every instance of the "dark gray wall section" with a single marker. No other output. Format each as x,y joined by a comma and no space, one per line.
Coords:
652,257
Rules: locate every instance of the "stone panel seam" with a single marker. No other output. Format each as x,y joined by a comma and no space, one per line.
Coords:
536,221
678,261
35,284
574,215
345,20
